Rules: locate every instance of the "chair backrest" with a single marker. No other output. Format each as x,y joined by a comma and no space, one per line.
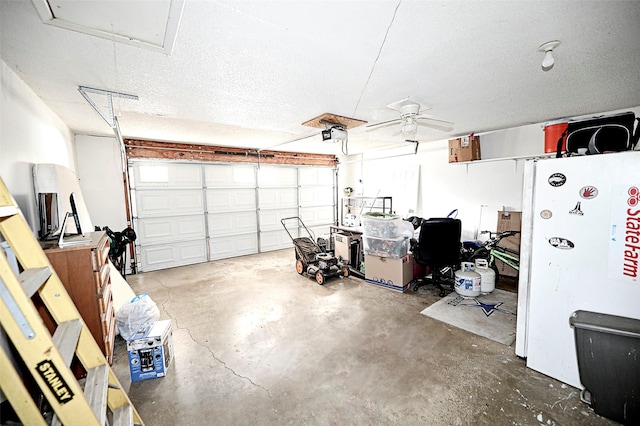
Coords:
439,242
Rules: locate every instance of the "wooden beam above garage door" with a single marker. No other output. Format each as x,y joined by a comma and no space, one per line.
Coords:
181,151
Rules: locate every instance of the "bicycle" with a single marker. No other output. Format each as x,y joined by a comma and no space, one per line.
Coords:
491,250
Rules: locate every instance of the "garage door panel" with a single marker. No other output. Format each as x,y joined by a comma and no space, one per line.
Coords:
167,175
317,215
275,240
232,223
172,228
229,176
278,198
169,202
277,176
232,246
230,200
164,256
270,219
316,196
310,176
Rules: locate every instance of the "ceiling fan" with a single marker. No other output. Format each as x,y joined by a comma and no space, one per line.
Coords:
411,116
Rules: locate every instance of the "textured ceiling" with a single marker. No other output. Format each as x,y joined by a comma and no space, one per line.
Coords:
249,73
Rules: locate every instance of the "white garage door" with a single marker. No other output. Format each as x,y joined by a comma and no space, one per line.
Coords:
231,210
168,215
192,212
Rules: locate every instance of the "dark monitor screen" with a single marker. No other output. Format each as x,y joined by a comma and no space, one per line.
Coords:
48,210
74,212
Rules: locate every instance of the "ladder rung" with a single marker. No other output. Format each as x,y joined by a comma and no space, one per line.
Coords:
66,339
32,279
95,389
123,416
8,211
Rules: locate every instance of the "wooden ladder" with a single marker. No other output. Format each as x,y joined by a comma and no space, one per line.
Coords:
48,358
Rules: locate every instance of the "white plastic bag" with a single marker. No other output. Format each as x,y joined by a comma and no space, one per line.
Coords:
132,315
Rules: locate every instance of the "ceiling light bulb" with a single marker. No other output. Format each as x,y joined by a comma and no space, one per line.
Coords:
410,128
547,62
547,48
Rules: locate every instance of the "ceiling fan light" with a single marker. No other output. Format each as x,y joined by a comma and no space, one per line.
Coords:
410,128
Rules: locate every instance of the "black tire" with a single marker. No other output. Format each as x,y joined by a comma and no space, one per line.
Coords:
345,271
300,267
320,278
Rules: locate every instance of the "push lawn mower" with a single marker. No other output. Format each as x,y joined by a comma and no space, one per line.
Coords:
310,258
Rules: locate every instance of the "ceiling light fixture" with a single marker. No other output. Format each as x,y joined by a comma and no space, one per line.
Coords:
410,128
547,49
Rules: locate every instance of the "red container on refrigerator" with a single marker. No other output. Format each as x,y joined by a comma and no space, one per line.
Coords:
553,131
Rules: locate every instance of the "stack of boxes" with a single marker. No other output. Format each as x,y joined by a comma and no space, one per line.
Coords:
386,249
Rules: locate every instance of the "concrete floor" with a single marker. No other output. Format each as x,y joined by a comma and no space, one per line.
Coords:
257,344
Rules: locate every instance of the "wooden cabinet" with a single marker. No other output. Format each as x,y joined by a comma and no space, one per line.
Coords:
84,271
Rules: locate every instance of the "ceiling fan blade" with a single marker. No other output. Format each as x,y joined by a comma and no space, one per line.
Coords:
384,123
445,126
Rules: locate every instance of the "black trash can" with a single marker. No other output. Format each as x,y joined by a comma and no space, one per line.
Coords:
608,349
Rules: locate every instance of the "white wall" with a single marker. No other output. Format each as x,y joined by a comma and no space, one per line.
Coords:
477,189
29,133
100,174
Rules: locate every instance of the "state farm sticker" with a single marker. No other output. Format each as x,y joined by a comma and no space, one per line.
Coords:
557,179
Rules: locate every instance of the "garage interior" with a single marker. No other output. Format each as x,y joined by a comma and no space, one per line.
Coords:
196,128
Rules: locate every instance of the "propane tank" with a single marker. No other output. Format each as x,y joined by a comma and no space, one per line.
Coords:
488,275
467,280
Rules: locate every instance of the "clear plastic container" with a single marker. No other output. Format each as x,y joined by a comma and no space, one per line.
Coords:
382,225
386,247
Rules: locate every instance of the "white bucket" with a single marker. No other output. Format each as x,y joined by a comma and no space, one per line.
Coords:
468,281
488,275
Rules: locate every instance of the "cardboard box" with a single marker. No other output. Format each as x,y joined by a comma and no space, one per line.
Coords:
464,149
394,274
342,244
150,351
509,221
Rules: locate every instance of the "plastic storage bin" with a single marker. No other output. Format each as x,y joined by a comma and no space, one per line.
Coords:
608,349
386,247
382,225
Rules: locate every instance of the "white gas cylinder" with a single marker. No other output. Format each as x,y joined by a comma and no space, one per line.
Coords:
488,275
468,282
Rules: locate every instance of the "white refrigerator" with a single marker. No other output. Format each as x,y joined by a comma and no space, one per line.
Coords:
579,251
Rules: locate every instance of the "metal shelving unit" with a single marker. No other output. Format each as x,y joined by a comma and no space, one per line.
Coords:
352,208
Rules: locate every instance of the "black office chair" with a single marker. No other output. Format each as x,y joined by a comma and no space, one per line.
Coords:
439,249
